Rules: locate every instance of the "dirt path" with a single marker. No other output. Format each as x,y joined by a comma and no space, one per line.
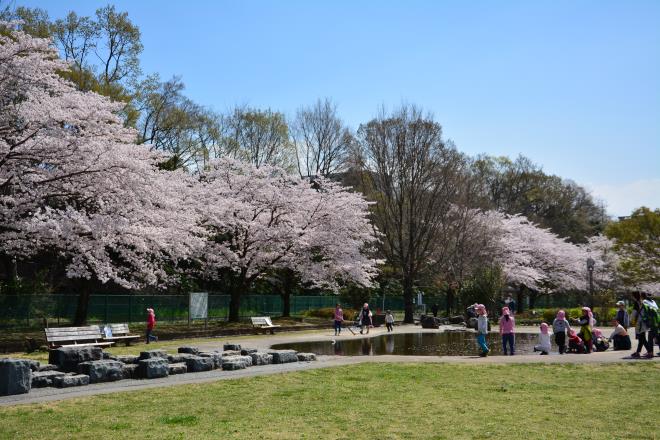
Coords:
40,395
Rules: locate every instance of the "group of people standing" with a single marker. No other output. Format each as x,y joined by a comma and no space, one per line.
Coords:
645,318
365,319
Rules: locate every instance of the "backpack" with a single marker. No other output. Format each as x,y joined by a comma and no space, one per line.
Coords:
650,316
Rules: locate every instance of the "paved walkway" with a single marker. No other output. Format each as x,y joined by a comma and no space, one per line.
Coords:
40,395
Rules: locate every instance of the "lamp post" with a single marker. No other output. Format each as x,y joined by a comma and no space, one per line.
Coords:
590,269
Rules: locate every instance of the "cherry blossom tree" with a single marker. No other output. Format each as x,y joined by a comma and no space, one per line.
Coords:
73,182
535,257
263,219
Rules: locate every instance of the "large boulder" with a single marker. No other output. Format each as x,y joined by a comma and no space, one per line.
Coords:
178,358
68,358
217,357
284,356
233,363
259,358
197,364
429,321
232,353
128,359
130,371
188,349
150,354
153,368
179,368
47,367
41,379
67,380
15,377
458,319
306,357
236,347
102,371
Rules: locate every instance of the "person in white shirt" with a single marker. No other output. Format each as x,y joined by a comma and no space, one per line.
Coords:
620,337
544,340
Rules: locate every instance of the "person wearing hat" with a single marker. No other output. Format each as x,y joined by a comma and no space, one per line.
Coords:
151,323
482,329
622,315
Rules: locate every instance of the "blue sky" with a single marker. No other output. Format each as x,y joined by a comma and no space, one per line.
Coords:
574,85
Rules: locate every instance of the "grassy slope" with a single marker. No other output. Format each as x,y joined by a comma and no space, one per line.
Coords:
405,401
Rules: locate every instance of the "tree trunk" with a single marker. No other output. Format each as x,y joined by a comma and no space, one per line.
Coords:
237,288
288,282
519,299
286,304
11,275
449,301
408,299
532,299
80,317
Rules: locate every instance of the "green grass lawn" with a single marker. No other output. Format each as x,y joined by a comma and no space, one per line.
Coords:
370,401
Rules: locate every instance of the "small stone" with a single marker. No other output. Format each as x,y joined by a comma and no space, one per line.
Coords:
236,347
150,354
108,356
41,379
259,358
47,367
130,371
248,351
188,349
179,368
306,357
128,359
15,377
68,358
284,356
153,368
34,365
67,381
197,364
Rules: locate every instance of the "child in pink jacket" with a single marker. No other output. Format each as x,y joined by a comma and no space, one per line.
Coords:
507,330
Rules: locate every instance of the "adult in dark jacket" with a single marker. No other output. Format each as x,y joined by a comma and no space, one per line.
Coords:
365,318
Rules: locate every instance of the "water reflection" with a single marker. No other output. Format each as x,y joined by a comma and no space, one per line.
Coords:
429,344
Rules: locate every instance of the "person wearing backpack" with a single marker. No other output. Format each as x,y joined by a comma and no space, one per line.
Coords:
651,319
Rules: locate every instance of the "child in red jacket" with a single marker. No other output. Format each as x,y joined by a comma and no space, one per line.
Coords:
575,343
151,323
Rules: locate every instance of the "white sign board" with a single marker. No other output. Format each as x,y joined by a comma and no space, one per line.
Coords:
199,305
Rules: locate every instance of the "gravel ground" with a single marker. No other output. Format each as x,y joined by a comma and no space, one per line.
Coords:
40,395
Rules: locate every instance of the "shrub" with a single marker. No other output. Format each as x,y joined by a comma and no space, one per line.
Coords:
329,313
549,315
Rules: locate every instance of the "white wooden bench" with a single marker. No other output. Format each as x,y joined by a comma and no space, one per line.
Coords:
120,332
75,336
264,323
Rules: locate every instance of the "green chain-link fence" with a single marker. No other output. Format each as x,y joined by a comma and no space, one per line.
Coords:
31,310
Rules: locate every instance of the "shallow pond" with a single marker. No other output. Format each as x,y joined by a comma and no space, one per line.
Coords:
424,344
